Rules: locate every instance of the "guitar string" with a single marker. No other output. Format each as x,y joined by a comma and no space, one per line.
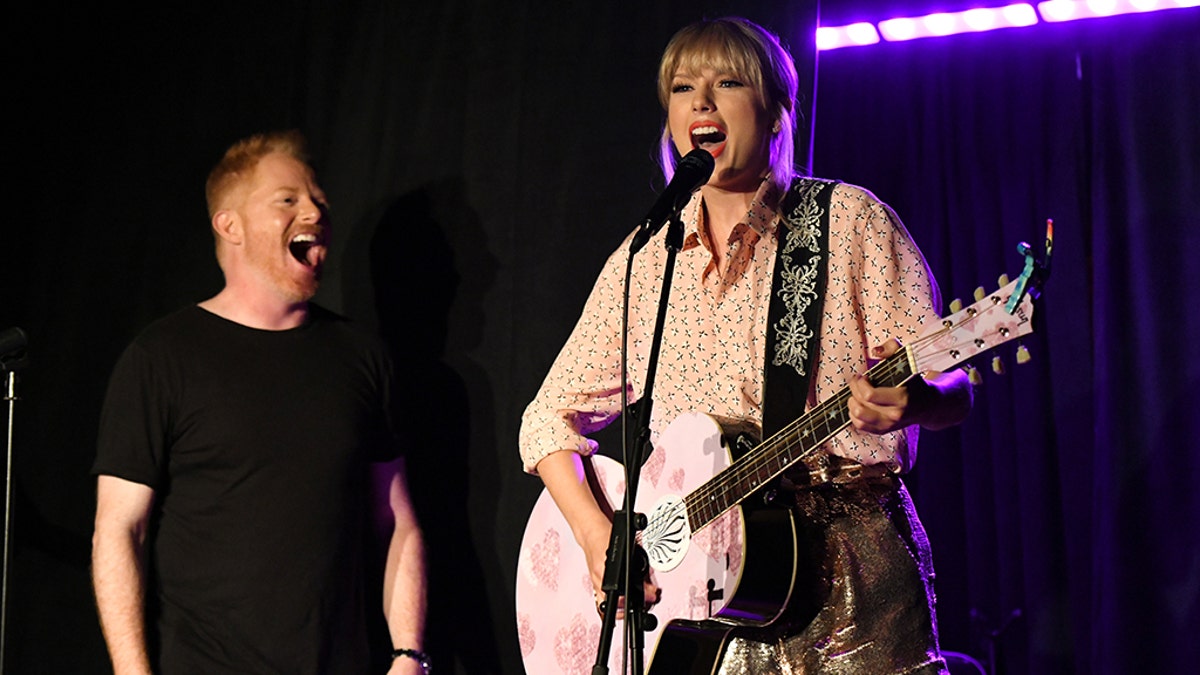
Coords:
704,499
711,499
801,430
753,463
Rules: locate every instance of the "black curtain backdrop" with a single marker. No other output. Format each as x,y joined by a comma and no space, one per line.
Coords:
484,158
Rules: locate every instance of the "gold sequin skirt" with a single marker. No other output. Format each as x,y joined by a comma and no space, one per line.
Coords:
864,602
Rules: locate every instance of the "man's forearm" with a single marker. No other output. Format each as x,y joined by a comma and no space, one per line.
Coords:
118,579
404,588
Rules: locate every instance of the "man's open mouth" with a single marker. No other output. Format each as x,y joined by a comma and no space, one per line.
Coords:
306,248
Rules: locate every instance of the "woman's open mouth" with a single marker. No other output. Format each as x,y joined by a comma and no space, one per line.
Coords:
708,136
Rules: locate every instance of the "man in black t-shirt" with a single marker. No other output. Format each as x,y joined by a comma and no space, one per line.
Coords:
241,443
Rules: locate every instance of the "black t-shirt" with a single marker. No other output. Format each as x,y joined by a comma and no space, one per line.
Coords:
257,444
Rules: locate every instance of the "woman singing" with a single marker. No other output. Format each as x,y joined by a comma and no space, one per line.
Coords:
785,291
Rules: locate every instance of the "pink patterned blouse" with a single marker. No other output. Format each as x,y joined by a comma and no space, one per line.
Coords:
878,287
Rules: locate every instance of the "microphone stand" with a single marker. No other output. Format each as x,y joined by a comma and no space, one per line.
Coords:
10,395
626,565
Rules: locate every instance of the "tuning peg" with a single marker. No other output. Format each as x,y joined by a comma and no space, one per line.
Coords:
1023,356
974,376
997,365
979,293
955,305
1003,280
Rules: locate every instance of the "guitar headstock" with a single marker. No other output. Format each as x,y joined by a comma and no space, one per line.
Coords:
994,319
985,325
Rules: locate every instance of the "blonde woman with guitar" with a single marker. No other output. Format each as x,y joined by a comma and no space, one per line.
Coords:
786,290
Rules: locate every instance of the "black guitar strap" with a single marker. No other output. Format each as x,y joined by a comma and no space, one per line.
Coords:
797,299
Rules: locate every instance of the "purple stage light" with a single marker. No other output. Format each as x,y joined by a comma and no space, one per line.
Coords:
984,19
854,35
950,23
1070,10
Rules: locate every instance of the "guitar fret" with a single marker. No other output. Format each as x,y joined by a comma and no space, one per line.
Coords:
804,435
792,444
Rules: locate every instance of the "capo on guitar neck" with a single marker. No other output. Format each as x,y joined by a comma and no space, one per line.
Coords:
1035,273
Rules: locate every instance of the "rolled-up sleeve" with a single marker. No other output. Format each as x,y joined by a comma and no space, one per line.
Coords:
880,288
582,392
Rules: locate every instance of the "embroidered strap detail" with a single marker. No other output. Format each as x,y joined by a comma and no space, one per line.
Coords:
797,294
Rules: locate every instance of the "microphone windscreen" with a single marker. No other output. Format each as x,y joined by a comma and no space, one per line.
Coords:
12,340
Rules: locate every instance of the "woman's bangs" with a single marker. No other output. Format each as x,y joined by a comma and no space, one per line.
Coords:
721,53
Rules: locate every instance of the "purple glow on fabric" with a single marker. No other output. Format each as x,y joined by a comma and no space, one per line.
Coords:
984,19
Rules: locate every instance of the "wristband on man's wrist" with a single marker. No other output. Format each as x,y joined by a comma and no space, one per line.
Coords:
417,655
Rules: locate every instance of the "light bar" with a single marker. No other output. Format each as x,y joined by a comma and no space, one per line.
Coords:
951,23
1070,10
854,35
984,19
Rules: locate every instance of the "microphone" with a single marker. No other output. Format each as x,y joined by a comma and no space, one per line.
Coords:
692,171
12,340
12,344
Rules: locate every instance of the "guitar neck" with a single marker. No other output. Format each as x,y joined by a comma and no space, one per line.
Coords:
993,320
797,441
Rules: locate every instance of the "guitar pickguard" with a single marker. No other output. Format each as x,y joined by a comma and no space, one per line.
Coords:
667,536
